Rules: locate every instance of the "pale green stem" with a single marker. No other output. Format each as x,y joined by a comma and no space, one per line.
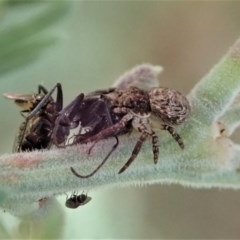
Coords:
208,160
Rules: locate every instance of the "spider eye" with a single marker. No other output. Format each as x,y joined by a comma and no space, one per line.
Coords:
169,105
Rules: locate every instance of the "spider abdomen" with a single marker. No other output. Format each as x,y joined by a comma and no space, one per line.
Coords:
169,105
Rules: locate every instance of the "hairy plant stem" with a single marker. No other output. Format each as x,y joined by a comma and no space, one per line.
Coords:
210,158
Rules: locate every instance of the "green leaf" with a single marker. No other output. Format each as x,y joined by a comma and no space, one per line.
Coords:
24,54
24,41
47,222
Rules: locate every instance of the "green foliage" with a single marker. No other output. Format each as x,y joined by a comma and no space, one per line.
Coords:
44,223
24,40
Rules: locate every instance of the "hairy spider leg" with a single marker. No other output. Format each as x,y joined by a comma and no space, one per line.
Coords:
155,147
59,103
110,131
174,134
135,151
138,146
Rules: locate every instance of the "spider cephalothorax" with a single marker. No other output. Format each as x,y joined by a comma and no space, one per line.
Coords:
133,99
169,107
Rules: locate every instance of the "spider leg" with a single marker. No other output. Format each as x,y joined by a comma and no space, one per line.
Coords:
111,131
135,151
175,135
155,147
90,149
99,166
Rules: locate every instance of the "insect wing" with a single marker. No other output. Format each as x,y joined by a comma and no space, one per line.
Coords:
18,96
24,101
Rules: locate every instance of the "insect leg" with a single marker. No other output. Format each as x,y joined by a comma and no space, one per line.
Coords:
101,92
175,135
41,88
44,100
113,130
59,99
99,166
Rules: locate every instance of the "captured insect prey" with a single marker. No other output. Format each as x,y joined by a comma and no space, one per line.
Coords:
77,200
91,114
143,110
41,111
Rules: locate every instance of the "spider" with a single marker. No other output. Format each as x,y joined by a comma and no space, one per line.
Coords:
77,200
92,113
143,110
35,132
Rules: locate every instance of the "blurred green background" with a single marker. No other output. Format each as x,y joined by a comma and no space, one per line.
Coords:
90,45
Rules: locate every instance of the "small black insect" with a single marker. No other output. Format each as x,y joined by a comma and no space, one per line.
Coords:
77,200
144,110
42,111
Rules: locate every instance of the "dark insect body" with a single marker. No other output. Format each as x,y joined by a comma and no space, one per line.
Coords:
38,131
77,200
41,112
91,114
143,110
